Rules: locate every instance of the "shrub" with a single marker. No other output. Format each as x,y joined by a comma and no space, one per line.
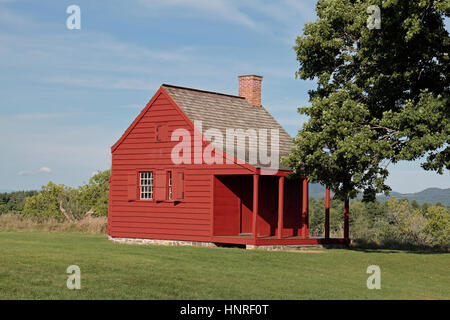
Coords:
16,222
400,225
438,226
408,223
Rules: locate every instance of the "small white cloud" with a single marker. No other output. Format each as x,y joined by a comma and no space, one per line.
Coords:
24,173
29,172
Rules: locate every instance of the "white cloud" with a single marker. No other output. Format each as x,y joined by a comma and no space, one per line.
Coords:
45,169
29,172
25,173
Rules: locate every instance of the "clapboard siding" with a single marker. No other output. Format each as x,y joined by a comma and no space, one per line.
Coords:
189,219
162,233
169,236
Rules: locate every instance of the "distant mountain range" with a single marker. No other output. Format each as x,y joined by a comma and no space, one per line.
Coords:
431,195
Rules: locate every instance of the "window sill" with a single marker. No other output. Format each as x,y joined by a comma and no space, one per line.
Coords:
159,202
168,201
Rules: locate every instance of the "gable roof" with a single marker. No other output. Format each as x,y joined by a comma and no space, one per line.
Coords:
223,111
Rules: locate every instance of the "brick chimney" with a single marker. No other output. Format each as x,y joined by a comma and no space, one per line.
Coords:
250,88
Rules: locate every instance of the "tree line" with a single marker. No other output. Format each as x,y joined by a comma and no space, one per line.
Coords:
396,223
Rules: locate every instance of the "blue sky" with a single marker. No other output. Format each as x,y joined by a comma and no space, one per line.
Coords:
66,95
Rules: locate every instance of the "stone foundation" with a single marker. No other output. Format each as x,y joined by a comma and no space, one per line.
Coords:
161,242
284,247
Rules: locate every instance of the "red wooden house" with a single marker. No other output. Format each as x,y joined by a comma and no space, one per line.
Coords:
161,191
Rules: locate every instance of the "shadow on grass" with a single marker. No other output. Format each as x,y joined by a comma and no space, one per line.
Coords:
390,247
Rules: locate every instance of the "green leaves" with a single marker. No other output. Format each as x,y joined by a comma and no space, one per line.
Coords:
46,204
438,226
95,194
382,95
63,202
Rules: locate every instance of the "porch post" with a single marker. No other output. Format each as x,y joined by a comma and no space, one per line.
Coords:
280,206
346,214
305,226
327,213
255,203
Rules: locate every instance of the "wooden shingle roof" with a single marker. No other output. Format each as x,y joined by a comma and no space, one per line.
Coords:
222,111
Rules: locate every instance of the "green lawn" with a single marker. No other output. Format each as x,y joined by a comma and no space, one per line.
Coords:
33,266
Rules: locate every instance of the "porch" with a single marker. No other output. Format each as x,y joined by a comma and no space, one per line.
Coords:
264,210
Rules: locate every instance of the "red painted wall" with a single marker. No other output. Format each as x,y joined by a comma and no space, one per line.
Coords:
246,196
292,222
268,204
226,206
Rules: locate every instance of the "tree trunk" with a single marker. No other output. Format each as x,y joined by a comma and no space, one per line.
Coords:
64,212
90,212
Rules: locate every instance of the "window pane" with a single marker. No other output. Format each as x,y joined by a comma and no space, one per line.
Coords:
146,184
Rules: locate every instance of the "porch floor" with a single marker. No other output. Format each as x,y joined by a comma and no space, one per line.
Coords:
273,240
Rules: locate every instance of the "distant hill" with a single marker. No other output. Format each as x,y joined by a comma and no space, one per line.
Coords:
431,195
5,190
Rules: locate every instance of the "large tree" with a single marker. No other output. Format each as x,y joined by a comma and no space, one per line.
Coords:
382,92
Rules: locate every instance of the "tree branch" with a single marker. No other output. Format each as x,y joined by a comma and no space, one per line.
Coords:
64,212
90,212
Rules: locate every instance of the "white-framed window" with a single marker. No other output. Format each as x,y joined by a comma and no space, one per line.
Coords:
146,185
169,185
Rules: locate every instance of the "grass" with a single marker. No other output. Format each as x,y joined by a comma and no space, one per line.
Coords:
33,266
